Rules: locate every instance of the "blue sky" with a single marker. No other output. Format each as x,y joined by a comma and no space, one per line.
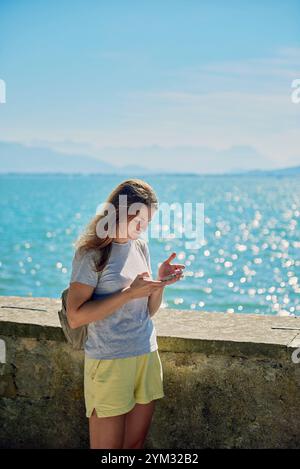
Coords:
154,82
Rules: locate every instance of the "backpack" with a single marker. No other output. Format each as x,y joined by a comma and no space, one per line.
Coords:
77,337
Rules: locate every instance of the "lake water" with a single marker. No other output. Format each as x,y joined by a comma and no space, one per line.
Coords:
249,261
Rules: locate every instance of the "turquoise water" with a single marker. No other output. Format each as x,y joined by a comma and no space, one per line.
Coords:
250,261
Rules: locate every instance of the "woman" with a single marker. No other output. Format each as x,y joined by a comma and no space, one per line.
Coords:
112,291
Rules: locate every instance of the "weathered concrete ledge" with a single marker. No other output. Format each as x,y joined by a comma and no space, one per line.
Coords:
229,380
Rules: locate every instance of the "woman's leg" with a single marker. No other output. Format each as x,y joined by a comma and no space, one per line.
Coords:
137,425
106,432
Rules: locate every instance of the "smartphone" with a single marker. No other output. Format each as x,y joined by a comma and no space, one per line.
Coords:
168,277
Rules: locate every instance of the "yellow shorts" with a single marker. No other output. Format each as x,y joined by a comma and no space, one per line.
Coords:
114,386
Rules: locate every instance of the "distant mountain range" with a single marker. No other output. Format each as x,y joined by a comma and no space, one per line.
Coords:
291,171
18,158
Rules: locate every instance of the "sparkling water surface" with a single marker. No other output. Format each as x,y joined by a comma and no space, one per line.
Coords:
249,261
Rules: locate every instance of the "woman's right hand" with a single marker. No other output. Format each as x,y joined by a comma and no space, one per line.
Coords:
141,286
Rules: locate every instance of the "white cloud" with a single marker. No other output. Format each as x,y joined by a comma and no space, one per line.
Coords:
238,74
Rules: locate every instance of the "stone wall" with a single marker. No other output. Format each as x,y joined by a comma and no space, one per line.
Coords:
229,380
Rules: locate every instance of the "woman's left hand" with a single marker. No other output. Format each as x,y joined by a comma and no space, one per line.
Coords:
167,269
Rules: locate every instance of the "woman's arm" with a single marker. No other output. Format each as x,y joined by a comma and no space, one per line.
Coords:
164,270
155,300
82,310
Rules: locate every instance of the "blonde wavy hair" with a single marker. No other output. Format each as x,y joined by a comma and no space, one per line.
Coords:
137,191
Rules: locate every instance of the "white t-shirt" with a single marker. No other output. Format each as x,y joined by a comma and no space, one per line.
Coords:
128,331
